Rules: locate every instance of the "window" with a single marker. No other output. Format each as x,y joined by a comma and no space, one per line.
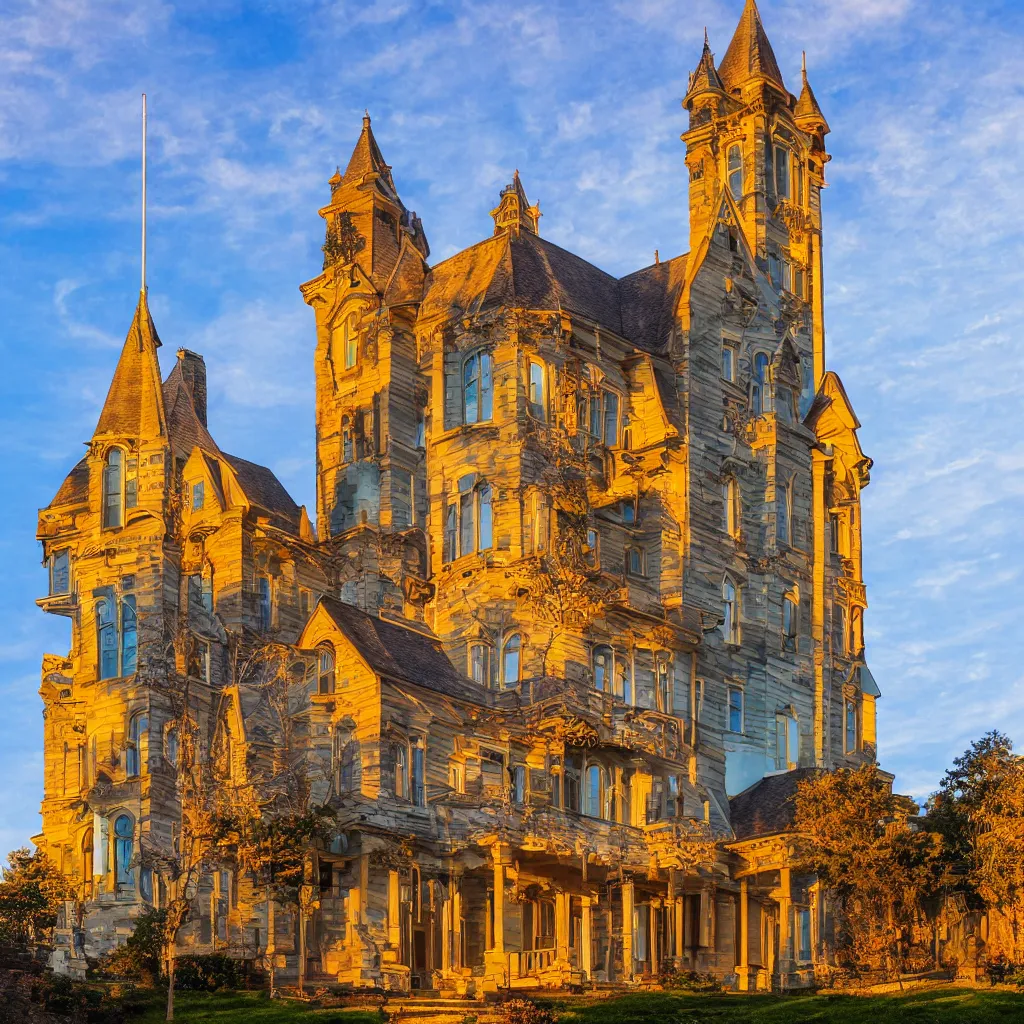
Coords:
603,661
347,450
782,172
60,573
735,709
728,362
131,482
451,533
519,784
628,512
265,604
798,180
857,630
477,393
592,552
325,669
803,931
485,535
106,636
456,778
664,682
775,269
799,285
171,746
735,172
835,533
635,561
510,661
783,519
787,742
730,612
572,786
610,432
469,524
622,686
421,430
731,510
698,698
399,758
784,403
535,525
850,727
480,663
839,629
123,849
596,792
555,769
537,398
197,495
350,336
113,489
419,781
790,621
135,749
759,398
200,591
344,760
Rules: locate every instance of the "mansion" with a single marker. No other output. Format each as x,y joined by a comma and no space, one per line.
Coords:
580,603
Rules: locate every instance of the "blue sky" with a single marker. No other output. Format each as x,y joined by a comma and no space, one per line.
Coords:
252,106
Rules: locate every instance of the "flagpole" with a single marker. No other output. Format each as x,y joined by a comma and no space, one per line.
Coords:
143,194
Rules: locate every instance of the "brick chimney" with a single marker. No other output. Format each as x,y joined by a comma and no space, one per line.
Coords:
193,372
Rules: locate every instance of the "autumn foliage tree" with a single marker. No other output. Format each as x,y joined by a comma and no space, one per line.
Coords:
877,868
31,892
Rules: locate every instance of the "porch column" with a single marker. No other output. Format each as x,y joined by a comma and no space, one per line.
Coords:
446,933
652,928
499,854
562,925
394,919
586,942
627,930
680,910
785,925
742,939
457,922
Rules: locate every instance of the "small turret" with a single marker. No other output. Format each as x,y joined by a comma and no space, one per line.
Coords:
514,211
705,90
807,113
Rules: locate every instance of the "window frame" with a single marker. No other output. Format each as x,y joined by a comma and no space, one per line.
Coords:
468,520
784,513
265,602
603,653
760,383
732,514
485,650
782,171
636,553
482,380
731,611
851,724
730,355
511,643
350,341
56,556
112,500
136,737
735,689
198,495
536,377
326,675
732,169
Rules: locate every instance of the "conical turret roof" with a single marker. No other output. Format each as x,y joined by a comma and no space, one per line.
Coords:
705,78
367,159
750,54
134,406
807,112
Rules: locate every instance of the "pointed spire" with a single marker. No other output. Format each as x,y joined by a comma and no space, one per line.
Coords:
134,406
514,210
750,55
807,113
366,159
705,78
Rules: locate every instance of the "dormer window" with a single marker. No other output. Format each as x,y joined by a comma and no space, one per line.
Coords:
198,496
735,171
325,669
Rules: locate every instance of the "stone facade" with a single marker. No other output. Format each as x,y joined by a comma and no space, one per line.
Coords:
582,603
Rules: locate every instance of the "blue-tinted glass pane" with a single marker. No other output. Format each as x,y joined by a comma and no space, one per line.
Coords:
486,520
485,386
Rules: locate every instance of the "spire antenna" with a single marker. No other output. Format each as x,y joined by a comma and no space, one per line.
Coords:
143,194
803,63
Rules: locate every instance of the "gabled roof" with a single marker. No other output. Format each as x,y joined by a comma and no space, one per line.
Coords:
649,299
750,54
134,405
399,652
263,489
766,808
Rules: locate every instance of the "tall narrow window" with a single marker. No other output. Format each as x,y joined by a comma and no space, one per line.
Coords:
419,778
467,524
486,519
171,746
480,663
87,860
198,495
603,660
787,741
347,446
728,362
730,613
735,161
325,670
129,636
611,419
399,759
595,414
451,533
634,561
477,393
850,729
790,621
519,784
783,532
131,482
595,791
782,172
351,338
106,637
510,660
113,488
592,553
663,669
735,709
538,399
622,686
731,507
857,630
60,573
136,747
798,181
759,399
265,609
123,851
839,639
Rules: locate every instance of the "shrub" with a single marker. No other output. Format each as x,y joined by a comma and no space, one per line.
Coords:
689,981
523,1011
209,972
139,957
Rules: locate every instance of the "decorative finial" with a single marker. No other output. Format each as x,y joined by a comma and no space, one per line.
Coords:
707,45
803,64
366,119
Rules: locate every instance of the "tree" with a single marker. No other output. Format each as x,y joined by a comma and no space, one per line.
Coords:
854,833
979,810
32,890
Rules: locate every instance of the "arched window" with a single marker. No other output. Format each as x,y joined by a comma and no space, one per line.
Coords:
171,746
138,739
129,636
477,393
595,791
480,663
106,637
790,621
730,612
113,488
783,518
351,340
759,396
400,758
731,513
510,660
735,169
604,659
325,669
124,832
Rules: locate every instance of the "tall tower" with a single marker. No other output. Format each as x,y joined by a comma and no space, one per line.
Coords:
760,148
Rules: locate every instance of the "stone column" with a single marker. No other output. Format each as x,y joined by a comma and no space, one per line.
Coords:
394,912
562,925
498,853
457,922
680,929
446,933
652,941
742,937
627,930
586,938
785,923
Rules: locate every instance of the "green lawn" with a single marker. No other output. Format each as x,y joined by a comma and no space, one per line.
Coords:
942,1005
